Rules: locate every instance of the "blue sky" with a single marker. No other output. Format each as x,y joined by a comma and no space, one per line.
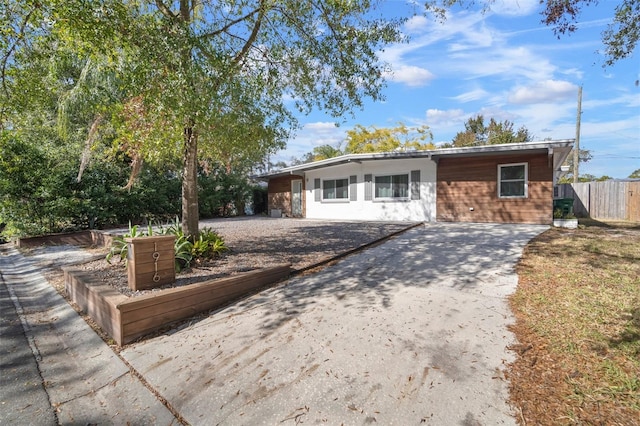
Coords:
507,65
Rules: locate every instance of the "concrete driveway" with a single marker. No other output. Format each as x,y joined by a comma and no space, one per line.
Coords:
413,331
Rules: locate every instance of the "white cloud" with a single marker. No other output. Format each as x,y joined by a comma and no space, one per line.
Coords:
514,62
416,24
320,126
320,133
452,29
473,95
410,75
574,72
473,38
309,136
556,120
437,117
514,7
466,45
546,91
499,114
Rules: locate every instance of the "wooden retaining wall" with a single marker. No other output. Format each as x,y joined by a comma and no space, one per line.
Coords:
81,238
613,200
128,318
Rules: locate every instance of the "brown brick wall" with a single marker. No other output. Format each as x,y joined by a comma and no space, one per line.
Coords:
465,183
279,190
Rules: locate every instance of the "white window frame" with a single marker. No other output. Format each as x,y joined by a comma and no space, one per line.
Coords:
526,180
334,200
408,196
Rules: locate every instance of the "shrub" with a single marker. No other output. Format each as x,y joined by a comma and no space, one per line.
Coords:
207,246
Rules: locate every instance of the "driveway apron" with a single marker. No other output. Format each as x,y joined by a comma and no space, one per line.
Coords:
411,331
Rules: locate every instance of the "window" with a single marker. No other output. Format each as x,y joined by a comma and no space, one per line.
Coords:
335,189
512,180
393,186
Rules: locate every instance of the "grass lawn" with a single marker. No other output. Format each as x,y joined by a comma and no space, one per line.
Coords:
577,311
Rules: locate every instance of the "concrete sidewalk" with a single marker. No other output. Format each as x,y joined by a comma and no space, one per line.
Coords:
55,368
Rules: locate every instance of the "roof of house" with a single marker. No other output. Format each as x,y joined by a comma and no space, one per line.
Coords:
559,149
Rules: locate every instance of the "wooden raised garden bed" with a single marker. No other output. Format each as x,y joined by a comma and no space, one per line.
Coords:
127,318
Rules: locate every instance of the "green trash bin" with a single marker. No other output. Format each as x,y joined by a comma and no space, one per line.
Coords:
564,204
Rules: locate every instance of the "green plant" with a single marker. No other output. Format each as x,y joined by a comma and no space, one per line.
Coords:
183,252
120,247
208,244
560,214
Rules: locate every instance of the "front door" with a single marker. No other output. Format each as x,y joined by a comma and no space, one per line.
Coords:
296,198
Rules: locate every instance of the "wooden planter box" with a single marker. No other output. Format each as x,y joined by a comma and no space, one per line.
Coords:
151,262
128,318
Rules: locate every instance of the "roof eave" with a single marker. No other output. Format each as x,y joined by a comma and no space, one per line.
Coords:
562,147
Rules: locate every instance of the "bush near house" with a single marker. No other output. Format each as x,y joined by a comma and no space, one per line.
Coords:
49,199
577,311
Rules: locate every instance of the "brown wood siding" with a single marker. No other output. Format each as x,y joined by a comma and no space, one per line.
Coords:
472,183
279,190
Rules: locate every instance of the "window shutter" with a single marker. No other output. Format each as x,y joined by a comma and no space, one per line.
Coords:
316,190
368,188
415,184
353,188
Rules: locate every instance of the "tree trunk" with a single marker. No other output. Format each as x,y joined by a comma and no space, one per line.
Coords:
190,213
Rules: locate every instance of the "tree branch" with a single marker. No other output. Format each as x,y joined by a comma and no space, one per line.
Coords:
9,52
164,9
254,34
232,23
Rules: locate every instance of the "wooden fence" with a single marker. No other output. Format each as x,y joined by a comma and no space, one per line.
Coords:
613,200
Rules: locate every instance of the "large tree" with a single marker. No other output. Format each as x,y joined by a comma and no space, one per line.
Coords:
362,139
211,77
495,132
324,152
619,39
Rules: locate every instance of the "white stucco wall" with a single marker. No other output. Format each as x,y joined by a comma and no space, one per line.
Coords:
423,209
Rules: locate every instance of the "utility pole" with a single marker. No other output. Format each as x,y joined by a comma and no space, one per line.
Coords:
576,148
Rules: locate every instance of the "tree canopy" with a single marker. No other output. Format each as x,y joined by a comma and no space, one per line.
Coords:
324,152
362,139
619,39
496,132
186,81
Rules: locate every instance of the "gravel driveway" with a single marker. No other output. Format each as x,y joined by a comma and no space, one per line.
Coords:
407,332
258,241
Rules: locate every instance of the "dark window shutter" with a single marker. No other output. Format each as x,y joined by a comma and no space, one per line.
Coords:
316,190
368,188
353,188
415,184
